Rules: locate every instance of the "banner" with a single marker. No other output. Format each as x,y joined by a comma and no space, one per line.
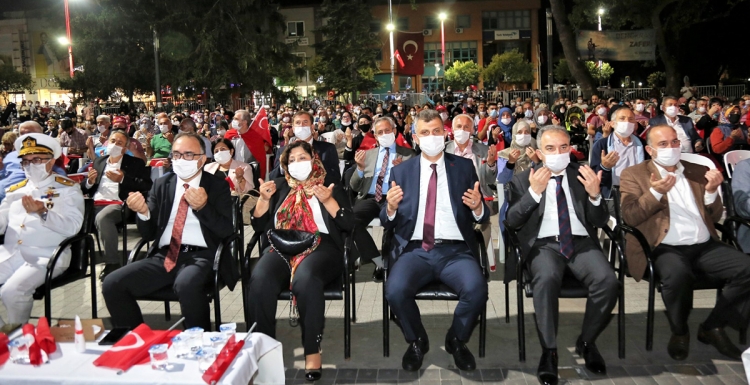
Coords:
616,45
410,51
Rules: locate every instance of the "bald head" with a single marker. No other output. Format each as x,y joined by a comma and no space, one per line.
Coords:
29,127
661,136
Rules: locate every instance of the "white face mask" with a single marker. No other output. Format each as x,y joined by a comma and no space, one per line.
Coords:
639,107
114,150
667,157
300,170
323,119
431,145
528,114
461,136
557,162
505,121
101,128
223,156
185,169
36,173
285,119
302,133
386,140
624,128
443,116
671,111
236,124
702,110
164,128
541,119
221,132
523,139
601,111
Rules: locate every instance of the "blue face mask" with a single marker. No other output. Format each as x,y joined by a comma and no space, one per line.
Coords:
493,113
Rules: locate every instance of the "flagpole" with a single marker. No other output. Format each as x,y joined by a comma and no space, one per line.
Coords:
391,27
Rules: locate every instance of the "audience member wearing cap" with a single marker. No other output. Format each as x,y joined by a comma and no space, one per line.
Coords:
10,167
730,134
37,214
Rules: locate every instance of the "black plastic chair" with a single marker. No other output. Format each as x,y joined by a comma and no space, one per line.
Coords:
571,288
81,246
212,286
435,291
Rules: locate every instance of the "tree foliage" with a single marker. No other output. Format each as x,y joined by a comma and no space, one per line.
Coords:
568,41
345,59
510,68
462,74
562,71
12,80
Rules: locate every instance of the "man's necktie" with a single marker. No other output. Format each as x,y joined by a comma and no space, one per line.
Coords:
563,219
428,233
176,241
381,177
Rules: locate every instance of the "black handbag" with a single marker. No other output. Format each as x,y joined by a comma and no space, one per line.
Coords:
290,242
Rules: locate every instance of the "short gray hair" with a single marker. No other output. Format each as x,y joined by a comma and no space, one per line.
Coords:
243,115
467,117
383,119
428,115
551,128
103,117
29,127
124,134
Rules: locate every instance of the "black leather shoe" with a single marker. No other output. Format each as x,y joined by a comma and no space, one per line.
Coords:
679,346
719,339
313,374
378,274
547,372
589,352
108,269
461,355
414,355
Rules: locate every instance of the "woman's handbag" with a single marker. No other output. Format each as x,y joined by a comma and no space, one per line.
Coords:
290,242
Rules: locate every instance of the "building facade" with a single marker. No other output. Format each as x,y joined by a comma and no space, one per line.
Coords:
301,35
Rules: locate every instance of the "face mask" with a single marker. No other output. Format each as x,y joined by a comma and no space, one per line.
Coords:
346,122
601,111
692,106
493,114
400,108
461,136
431,145
671,111
505,121
184,168
702,110
386,140
101,128
223,156
300,170
323,119
36,173
536,104
667,157
285,119
528,114
443,116
236,124
734,118
164,128
302,133
523,139
639,107
557,162
542,119
624,128
364,127
379,112
562,110
114,150
580,101
221,132
412,113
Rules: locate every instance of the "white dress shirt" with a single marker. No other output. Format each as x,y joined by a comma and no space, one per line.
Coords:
191,234
108,190
685,144
686,225
316,212
550,226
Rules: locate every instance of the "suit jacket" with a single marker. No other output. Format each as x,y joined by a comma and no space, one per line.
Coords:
136,177
525,214
486,173
685,122
362,185
343,222
640,209
461,177
215,218
328,156
741,195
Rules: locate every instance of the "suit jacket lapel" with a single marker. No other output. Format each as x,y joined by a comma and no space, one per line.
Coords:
577,192
454,195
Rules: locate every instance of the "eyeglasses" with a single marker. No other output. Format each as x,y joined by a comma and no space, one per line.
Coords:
27,162
664,144
187,156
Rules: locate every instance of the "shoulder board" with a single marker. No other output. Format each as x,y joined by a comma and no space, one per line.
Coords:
18,185
64,181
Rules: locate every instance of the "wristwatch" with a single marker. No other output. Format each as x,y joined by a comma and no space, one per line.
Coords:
596,197
44,215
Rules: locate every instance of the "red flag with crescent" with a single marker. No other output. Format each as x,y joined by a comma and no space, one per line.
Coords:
410,47
256,138
399,59
133,348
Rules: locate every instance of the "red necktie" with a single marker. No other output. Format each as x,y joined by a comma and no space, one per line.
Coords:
381,176
428,233
176,240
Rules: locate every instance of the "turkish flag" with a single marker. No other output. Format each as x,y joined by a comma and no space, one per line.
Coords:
255,139
133,348
44,337
410,47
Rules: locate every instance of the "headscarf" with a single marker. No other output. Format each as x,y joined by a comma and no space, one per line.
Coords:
507,129
523,162
725,126
539,112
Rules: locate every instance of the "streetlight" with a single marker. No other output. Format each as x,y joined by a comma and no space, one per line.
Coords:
69,40
442,16
390,27
640,84
600,12
437,76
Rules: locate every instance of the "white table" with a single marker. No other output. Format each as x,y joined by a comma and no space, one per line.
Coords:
746,363
260,361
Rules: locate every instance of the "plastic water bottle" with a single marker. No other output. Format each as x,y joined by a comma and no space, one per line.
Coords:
79,340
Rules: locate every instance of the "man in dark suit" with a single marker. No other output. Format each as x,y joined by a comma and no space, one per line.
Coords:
370,181
187,214
433,203
689,140
302,122
555,209
112,178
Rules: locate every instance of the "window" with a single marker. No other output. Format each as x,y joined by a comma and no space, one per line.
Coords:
431,22
463,21
296,28
404,83
506,20
430,83
460,50
402,24
300,54
375,27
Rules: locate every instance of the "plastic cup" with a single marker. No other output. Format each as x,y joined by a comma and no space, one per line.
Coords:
228,330
218,342
195,340
19,351
159,356
206,358
180,345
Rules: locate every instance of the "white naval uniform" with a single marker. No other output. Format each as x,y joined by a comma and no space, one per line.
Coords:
30,241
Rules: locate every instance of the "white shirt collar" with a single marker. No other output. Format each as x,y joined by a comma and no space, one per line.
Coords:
663,172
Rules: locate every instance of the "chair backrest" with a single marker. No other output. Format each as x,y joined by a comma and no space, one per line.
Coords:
698,159
78,260
731,159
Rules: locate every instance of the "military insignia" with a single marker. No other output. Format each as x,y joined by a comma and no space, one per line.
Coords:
64,181
50,194
29,142
18,185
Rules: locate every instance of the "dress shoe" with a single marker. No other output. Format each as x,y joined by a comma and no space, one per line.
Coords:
414,355
313,374
461,355
378,274
108,269
589,352
547,372
719,339
679,346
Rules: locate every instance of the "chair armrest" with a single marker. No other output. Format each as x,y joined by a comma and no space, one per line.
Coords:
483,257
136,250
641,241
67,242
255,240
620,250
737,220
234,237
516,245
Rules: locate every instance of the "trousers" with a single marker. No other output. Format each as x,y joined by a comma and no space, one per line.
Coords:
365,210
106,221
19,280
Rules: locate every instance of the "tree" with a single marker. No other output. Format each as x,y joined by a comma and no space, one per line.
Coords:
656,79
12,80
462,74
601,74
562,72
568,40
510,68
344,57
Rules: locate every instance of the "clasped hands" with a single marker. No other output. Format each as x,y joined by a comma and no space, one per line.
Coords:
195,197
472,198
591,181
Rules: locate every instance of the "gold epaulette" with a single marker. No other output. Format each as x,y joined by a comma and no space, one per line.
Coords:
18,185
64,181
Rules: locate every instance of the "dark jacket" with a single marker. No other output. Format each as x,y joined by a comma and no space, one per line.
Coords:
136,177
328,155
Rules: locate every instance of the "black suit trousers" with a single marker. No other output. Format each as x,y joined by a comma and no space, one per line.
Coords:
365,210
188,279
588,264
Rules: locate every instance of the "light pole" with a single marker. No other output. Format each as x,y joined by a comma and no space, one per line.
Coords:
437,76
442,17
390,28
70,40
600,12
